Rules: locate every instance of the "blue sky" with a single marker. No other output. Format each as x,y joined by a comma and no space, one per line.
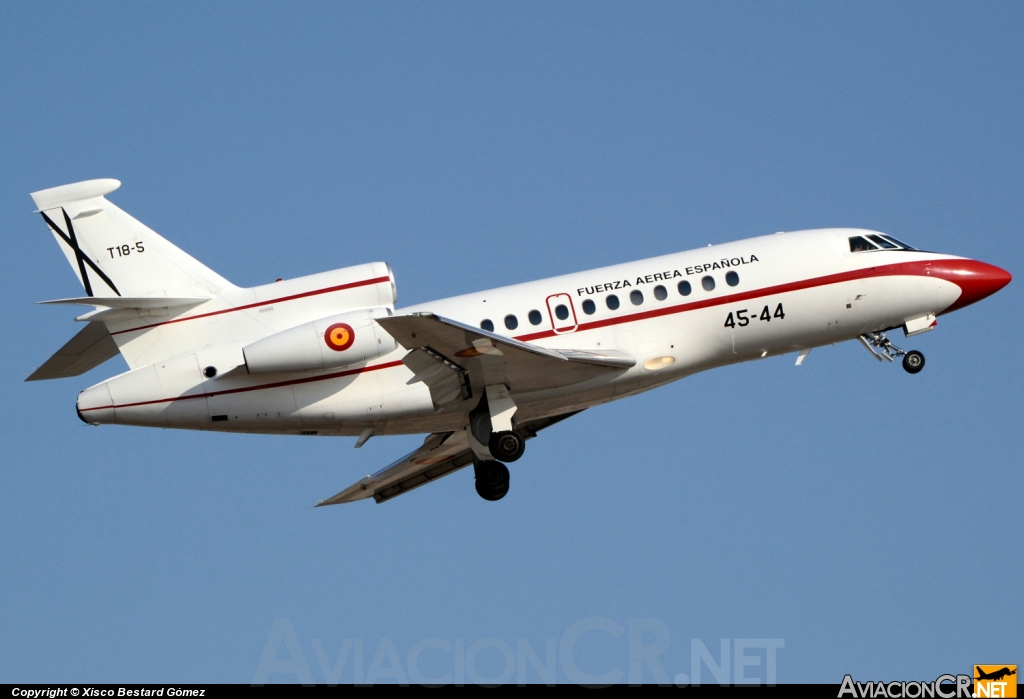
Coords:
862,515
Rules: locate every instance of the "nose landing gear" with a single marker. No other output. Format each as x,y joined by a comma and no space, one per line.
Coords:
913,362
880,346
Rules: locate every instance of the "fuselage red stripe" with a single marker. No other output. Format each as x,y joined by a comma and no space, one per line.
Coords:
916,269
282,299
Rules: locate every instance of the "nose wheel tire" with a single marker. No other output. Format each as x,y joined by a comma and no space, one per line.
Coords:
507,446
491,480
913,362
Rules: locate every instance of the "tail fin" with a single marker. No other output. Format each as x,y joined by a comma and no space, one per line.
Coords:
115,255
150,296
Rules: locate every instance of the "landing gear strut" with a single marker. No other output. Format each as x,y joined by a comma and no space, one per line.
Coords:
880,346
491,480
493,439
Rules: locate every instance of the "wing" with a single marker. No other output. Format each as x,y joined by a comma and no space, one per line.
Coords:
441,453
453,358
92,346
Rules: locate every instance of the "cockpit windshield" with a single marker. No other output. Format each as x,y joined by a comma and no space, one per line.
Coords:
885,244
900,243
876,241
859,243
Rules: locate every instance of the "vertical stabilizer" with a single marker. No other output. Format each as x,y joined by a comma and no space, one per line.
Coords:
112,254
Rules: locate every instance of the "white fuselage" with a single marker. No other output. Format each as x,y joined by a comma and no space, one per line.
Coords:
791,292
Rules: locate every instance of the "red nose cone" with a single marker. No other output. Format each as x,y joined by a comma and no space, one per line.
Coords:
975,279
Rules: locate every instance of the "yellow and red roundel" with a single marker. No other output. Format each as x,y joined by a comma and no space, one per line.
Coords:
340,336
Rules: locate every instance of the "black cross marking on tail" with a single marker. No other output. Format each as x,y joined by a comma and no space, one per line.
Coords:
72,240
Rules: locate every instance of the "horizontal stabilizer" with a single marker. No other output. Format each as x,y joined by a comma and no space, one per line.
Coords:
140,302
87,350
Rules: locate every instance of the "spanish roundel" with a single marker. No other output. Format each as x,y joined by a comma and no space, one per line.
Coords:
339,337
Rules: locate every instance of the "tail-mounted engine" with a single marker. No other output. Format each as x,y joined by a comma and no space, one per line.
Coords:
335,341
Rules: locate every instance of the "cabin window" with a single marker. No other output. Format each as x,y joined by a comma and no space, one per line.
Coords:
589,307
487,325
732,279
636,297
511,322
660,293
859,243
684,288
561,311
612,301
535,317
708,283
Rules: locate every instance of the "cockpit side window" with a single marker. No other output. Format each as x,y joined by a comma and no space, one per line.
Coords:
882,242
859,243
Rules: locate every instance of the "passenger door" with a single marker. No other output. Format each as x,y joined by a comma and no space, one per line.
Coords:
562,313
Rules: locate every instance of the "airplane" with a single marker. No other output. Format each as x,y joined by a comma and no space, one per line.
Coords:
996,675
330,355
